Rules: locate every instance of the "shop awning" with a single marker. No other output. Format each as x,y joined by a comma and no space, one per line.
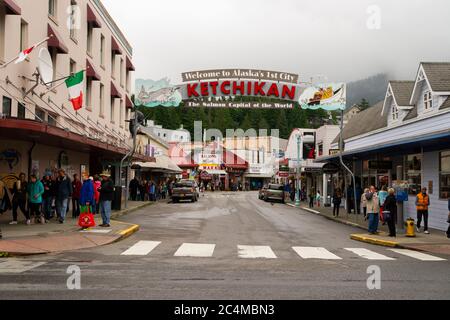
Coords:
115,48
56,41
129,103
262,176
92,18
114,92
91,72
130,65
163,164
218,172
12,8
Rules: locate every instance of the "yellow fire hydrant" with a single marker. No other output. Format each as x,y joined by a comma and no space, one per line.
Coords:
410,228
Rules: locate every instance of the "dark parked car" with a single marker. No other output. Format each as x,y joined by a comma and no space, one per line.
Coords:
185,189
274,192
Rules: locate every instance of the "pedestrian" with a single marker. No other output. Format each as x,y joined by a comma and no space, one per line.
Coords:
382,195
359,192
422,205
5,203
318,198
19,200
164,191
47,197
337,200
364,202
134,185
448,220
311,198
87,194
63,193
373,210
142,191
76,187
350,200
390,212
35,190
106,198
97,185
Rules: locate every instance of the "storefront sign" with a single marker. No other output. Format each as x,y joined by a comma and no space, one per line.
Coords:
313,170
329,96
239,74
330,168
283,174
380,165
333,152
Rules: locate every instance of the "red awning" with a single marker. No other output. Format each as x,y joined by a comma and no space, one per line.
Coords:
114,92
56,41
90,72
92,18
115,46
128,103
12,8
130,65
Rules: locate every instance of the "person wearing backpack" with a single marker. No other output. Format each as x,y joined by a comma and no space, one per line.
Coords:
373,210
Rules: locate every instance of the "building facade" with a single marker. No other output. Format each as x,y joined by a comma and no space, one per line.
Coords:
39,129
179,135
405,140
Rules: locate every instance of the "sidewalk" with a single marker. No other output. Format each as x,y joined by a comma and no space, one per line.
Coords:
22,239
436,242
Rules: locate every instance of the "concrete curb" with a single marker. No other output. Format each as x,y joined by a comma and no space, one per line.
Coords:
128,232
379,242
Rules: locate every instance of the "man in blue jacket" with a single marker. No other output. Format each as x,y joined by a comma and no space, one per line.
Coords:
63,193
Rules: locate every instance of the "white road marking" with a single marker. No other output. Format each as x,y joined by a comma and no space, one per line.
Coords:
255,252
315,253
18,266
368,254
142,248
417,255
195,250
103,231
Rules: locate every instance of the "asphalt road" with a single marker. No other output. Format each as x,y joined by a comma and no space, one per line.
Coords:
159,263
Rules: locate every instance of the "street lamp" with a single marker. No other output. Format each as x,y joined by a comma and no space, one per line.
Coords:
299,172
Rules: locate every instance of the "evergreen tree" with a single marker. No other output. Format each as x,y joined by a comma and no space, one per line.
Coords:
363,105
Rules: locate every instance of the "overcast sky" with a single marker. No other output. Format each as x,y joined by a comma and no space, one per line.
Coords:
306,37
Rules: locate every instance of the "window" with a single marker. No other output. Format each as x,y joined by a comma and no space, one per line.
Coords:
52,8
23,35
52,120
121,123
320,150
394,112
113,65
89,93
427,100
444,175
54,55
413,173
112,110
127,79
102,101
39,115
73,17
6,109
121,73
2,35
73,66
102,51
20,111
90,32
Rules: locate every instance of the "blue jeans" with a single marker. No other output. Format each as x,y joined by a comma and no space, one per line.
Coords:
373,222
47,207
61,208
105,209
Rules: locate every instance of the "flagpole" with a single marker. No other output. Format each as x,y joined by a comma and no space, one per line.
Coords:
63,78
17,57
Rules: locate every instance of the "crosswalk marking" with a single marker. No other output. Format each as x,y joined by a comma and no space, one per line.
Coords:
141,248
255,252
195,250
368,254
18,266
315,253
417,255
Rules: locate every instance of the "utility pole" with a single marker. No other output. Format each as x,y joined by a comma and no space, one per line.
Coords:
299,172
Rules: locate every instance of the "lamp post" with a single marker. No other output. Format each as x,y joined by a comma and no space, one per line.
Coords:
299,172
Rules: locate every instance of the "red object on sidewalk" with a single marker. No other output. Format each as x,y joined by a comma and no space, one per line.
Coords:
86,219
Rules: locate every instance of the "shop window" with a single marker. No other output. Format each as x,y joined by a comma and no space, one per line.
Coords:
413,173
444,175
20,111
6,108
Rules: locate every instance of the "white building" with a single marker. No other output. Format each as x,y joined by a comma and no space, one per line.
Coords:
170,136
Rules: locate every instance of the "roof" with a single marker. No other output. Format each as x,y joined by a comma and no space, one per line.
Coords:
412,114
365,121
148,132
438,74
402,90
446,104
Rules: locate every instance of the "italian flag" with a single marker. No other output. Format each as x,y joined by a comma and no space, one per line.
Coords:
75,85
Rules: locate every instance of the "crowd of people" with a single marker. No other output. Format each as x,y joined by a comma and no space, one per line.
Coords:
41,201
150,190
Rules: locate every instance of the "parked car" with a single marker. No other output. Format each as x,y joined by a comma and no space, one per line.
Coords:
185,190
262,193
274,192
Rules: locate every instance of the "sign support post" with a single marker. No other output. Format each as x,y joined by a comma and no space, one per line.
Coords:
299,173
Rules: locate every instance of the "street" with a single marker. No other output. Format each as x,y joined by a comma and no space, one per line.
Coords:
229,246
